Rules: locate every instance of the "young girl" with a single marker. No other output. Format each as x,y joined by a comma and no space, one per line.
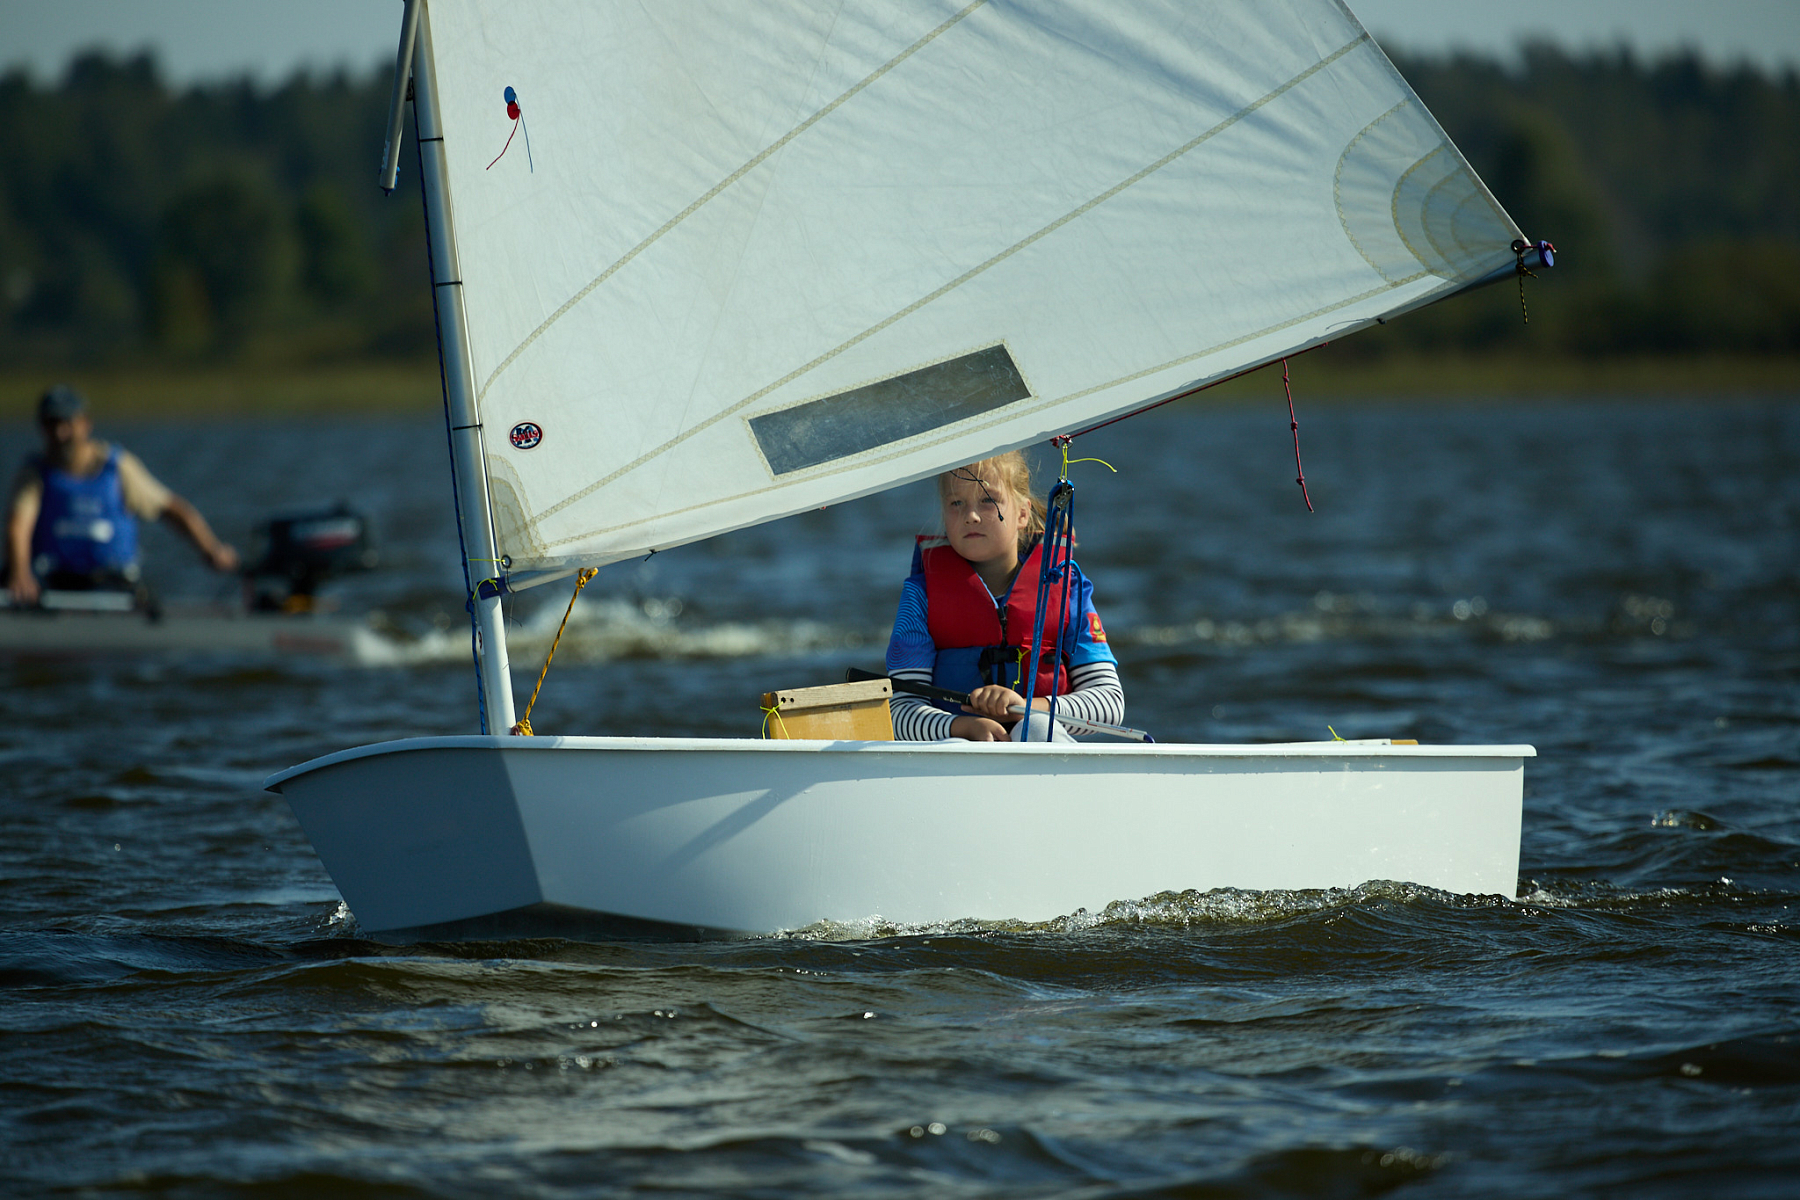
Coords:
967,610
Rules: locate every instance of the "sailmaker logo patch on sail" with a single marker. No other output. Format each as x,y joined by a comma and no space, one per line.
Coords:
525,435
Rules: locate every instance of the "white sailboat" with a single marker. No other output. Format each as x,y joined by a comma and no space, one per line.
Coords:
104,625
704,265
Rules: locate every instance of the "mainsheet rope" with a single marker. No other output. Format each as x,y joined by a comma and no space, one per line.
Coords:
1056,568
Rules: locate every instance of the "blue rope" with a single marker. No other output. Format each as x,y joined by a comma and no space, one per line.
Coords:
1056,568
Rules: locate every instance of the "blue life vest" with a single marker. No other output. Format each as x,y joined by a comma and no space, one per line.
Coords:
83,526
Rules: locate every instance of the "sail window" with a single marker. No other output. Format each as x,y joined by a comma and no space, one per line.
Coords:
890,410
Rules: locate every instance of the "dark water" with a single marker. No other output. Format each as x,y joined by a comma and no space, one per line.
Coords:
186,1012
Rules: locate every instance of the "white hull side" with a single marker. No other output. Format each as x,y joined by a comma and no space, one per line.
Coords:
724,835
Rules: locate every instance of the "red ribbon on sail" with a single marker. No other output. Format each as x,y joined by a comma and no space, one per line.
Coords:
518,122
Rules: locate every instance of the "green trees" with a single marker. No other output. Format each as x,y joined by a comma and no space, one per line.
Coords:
1672,191
224,259
231,223
219,223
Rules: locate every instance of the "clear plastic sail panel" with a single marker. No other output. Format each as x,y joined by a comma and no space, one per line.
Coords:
724,262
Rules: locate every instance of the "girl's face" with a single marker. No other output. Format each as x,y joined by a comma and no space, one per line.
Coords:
983,521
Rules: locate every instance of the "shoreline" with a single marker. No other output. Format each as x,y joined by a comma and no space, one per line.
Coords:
153,392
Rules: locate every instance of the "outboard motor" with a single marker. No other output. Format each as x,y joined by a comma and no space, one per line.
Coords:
295,553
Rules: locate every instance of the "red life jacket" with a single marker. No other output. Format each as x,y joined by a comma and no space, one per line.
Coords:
980,640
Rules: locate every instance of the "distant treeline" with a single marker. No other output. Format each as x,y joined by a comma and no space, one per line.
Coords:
234,223
225,221
1671,190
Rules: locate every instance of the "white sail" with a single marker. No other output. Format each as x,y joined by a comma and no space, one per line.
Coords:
739,259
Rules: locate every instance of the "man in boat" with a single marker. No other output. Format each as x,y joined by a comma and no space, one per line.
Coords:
72,521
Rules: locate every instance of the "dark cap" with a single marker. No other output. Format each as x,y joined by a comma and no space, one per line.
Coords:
61,403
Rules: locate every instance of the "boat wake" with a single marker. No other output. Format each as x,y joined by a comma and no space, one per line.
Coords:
1171,910
1223,908
612,628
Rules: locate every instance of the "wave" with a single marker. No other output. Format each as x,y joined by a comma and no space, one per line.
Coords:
1219,907
611,629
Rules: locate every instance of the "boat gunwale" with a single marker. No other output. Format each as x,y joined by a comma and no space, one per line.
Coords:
1374,748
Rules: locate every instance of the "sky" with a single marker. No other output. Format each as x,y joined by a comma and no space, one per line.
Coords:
198,40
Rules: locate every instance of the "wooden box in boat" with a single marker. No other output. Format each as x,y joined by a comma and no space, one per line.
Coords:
839,711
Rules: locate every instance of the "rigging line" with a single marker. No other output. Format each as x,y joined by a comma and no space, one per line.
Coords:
523,727
724,183
1294,424
1191,391
1520,248
1064,441
951,286
1016,412
1195,391
1056,552
770,710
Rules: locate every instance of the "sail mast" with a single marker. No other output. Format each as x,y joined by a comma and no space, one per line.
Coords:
481,557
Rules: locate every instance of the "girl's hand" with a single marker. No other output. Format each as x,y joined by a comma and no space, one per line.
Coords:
979,729
994,700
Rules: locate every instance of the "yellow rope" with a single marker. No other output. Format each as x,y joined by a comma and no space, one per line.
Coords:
773,711
1066,460
523,728
1334,734
1523,272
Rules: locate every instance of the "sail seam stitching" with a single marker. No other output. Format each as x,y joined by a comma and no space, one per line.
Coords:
1337,187
1395,209
761,157
1431,195
953,284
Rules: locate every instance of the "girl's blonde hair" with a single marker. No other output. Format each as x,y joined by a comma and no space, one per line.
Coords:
1011,472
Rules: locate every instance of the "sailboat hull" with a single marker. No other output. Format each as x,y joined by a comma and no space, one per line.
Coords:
31,633
603,837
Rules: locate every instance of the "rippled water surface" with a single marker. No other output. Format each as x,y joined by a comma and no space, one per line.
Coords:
186,1010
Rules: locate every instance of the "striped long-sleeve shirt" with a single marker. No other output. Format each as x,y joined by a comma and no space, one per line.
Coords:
1095,691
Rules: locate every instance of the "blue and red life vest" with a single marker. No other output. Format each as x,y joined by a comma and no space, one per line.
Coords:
981,640
83,526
